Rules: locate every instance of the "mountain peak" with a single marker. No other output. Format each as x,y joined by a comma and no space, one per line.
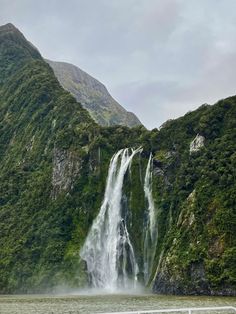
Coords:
10,31
15,50
9,27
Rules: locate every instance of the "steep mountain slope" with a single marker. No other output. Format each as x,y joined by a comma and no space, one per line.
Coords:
37,121
93,95
198,253
53,166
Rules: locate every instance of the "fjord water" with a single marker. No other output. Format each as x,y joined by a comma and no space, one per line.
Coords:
108,251
84,304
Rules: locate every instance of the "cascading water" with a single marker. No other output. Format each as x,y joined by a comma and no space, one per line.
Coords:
107,250
150,237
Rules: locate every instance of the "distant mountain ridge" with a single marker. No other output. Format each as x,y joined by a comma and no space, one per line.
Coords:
93,95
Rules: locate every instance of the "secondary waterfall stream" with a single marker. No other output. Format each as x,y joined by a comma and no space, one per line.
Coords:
150,237
107,250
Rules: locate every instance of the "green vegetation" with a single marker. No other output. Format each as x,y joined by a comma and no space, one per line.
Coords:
53,166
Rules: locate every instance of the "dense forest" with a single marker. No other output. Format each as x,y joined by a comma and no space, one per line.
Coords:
53,165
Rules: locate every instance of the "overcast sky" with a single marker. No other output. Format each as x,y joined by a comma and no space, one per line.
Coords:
158,58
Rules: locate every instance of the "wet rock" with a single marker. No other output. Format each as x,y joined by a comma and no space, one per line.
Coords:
66,167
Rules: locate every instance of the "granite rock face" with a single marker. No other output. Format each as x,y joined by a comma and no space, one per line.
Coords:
197,144
167,283
66,168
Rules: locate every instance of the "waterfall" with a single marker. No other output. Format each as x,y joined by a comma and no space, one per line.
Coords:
108,251
150,237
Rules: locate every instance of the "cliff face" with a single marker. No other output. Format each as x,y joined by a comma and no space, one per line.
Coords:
37,121
53,165
198,251
93,96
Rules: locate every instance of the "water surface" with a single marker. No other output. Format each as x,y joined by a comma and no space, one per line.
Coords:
85,304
